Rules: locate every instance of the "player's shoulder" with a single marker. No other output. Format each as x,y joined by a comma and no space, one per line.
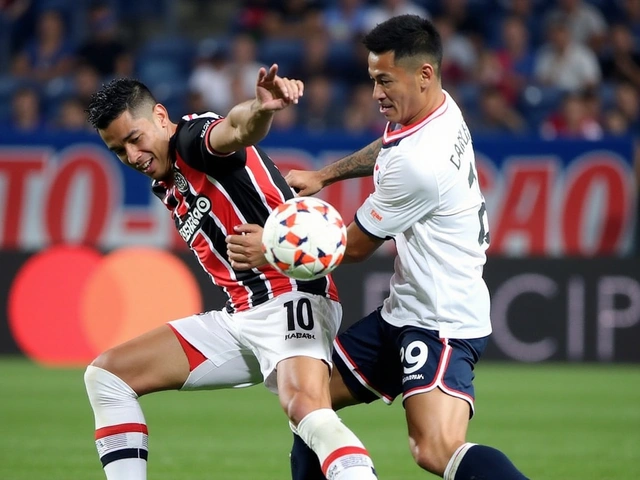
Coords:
192,129
197,123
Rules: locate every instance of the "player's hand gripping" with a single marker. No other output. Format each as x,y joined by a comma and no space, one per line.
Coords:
304,182
244,248
274,92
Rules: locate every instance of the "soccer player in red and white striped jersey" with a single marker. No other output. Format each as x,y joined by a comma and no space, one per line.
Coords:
211,176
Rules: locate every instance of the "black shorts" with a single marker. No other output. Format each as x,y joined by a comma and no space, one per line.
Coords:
379,360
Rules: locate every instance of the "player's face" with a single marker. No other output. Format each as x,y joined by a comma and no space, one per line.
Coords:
398,89
141,141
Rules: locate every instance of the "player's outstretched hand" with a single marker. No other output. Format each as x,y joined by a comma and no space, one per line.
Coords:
274,92
244,248
304,182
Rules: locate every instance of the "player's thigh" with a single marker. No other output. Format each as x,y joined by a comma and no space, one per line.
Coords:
435,418
303,386
216,356
292,325
367,359
150,362
437,379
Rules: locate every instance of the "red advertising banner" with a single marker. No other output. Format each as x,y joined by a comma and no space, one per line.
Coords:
543,198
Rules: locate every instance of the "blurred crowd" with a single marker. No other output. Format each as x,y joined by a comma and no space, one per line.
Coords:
556,68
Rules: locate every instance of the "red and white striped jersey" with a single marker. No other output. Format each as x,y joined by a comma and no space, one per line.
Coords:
211,193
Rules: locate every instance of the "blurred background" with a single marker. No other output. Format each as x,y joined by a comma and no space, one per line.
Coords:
550,90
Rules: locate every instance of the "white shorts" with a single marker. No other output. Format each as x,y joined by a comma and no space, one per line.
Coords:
244,348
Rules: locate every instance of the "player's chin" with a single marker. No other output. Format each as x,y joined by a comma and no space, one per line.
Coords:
158,175
389,113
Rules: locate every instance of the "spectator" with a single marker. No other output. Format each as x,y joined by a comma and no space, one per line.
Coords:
49,54
291,19
496,116
386,9
285,120
615,123
86,81
210,77
463,18
564,63
361,114
572,121
243,68
630,16
71,116
515,59
102,50
345,20
459,56
316,59
195,102
621,60
526,12
585,22
16,24
250,18
318,110
26,113
627,100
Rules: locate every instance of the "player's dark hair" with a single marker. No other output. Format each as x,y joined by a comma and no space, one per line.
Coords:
406,36
116,97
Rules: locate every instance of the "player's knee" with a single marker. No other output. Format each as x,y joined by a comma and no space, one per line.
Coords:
427,460
104,387
107,360
107,363
433,456
300,404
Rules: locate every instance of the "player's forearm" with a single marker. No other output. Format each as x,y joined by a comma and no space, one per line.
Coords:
358,164
251,122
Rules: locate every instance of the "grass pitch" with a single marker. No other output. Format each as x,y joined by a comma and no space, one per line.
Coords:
559,422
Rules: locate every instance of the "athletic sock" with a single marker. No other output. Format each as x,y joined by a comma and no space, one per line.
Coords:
121,430
342,456
479,462
304,462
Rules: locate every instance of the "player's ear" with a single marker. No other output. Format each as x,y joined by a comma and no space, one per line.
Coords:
427,72
161,114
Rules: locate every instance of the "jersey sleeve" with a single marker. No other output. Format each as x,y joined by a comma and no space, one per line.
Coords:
192,144
402,196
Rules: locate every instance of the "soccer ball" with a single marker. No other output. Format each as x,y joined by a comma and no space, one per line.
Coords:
304,238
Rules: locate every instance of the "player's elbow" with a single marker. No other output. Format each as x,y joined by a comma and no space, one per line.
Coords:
356,255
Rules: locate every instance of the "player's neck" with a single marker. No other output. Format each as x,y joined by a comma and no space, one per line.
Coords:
435,100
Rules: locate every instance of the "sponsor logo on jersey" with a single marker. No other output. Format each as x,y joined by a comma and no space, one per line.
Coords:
203,132
194,219
296,335
413,376
180,182
375,215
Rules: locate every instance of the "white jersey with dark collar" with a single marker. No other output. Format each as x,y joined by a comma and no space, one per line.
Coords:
428,200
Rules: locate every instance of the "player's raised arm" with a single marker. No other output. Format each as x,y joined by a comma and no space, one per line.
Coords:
358,164
249,122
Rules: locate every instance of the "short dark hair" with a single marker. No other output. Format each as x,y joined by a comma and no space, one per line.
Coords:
406,36
116,97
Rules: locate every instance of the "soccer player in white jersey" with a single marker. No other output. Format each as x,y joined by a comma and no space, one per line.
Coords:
425,339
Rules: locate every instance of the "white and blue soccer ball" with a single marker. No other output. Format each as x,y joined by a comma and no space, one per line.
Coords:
304,238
